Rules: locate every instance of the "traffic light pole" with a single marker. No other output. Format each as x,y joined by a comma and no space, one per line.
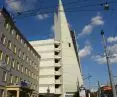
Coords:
108,64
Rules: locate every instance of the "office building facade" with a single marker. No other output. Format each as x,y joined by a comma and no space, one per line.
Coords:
19,62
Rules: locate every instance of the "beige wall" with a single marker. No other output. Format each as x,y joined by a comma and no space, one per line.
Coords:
47,79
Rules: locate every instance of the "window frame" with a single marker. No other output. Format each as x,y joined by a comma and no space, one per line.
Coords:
1,55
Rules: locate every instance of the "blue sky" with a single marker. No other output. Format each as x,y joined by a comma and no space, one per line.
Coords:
87,17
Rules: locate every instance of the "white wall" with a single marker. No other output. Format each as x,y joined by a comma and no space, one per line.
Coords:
47,80
43,89
46,49
47,63
47,71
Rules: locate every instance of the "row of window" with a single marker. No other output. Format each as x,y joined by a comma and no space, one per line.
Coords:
14,79
20,54
15,64
17,37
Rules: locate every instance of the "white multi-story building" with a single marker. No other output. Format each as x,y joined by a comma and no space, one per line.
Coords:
19,62
60,69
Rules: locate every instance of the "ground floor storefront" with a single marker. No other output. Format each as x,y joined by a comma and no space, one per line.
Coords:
17,91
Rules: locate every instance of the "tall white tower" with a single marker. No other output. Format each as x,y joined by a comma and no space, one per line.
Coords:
71,71
59,67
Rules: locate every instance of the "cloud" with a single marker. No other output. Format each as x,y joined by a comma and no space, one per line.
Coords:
42,16
87,30
99,59
113,56
53,28
112,39
21,5
14,6
95,21
85,51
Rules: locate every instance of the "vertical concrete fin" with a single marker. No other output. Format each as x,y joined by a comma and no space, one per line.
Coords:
70,62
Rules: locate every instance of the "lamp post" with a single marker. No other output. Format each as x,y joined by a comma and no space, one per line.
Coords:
108,64
48,91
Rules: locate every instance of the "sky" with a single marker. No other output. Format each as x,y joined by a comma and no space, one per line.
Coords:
86,17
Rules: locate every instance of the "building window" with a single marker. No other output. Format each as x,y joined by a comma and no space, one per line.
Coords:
4,77
33,54
56,45
23,56
3,93
24,44
32,75
9,44
12,31
56,60
28,48
30,62
1,55
7,59
69,44
16,79
29,72
31,51
35,66
3,39
22,68
26,58
21,40
15,49
7,26
37,78
19,53
26,70
18,66
11,78
56,53
13,63
17,36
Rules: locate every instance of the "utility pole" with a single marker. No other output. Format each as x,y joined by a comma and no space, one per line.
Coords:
108,64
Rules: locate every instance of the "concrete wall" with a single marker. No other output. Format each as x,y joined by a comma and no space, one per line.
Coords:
70,64
47,79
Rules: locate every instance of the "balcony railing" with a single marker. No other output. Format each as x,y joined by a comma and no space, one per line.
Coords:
57,73
57,81
57,65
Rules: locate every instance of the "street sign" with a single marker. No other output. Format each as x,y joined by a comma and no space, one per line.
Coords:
82,93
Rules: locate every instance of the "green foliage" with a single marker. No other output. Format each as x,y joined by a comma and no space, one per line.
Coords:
76,94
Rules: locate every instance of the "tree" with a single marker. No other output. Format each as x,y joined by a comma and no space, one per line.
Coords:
76,94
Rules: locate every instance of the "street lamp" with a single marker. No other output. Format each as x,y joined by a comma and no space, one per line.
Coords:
108,64
48,91
106,6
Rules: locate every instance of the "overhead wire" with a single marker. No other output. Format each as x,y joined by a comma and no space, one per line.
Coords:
51,7
51,12
36,11
54,6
